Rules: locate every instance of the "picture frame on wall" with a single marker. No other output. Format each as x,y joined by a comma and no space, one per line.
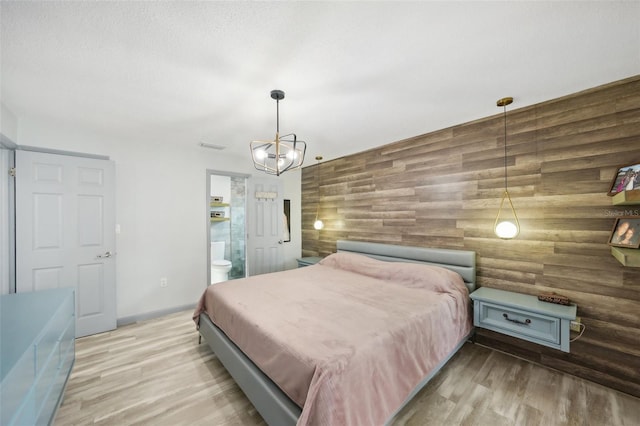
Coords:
626,232
627,178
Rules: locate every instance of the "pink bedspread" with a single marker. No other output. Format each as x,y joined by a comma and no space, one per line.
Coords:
347,339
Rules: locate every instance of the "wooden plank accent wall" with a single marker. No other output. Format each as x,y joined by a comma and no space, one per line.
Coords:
443,189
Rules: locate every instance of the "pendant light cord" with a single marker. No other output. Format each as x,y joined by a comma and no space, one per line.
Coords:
505,147
318,158
277,116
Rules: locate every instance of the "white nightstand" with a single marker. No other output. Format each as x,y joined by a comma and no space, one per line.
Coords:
523,316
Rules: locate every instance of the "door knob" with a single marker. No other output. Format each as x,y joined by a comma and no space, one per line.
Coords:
105,255
280,242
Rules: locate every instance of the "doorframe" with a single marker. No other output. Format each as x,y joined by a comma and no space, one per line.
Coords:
209,173
8,217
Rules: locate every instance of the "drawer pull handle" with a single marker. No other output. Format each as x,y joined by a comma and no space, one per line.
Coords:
525,322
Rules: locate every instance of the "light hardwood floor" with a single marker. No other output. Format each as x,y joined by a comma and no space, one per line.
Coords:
155,373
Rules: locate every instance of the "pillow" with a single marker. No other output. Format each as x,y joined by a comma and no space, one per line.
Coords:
416,275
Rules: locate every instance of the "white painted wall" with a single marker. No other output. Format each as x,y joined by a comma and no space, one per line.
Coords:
160,196
8,123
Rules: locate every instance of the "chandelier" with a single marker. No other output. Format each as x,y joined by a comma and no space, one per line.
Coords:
281,154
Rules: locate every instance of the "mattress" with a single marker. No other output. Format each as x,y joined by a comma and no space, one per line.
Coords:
347,339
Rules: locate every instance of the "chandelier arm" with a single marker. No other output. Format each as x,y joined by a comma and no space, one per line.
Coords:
282,138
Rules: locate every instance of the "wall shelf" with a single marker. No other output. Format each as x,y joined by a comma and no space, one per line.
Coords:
626,198
218,205
626,256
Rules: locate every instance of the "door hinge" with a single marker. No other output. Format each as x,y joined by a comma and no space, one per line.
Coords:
12,171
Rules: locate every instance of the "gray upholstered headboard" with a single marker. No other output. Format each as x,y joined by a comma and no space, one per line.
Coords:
461,261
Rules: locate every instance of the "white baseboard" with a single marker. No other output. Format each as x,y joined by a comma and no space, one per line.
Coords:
151,315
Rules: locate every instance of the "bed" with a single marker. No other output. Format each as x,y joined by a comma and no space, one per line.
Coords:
326,365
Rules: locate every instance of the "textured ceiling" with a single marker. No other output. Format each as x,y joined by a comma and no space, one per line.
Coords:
356,74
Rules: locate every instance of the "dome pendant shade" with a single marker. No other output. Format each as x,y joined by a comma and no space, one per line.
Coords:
281,154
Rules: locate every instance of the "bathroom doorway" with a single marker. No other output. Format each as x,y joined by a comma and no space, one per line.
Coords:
226,226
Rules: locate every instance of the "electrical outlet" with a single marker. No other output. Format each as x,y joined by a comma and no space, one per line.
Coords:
575,325
163,282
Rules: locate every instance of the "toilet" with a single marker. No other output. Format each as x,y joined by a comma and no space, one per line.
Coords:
219,266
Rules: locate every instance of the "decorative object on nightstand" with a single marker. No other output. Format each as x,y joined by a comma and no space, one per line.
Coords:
551,297
523,316
308,261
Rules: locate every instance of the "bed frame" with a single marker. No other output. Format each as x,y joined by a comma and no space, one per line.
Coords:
274,406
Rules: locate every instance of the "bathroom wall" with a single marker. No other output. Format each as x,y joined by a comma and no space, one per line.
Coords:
238,246
8,124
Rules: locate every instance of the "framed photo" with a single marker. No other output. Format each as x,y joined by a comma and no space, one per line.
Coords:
626,232
627,178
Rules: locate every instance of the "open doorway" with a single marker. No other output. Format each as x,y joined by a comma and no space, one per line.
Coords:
226,225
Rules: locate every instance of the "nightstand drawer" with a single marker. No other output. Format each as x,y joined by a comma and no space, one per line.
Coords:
518,323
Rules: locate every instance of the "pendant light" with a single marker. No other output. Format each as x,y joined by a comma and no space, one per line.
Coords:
283,153
506,228
318,224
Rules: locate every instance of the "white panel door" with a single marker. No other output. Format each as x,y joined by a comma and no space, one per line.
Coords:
264,243
65,232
